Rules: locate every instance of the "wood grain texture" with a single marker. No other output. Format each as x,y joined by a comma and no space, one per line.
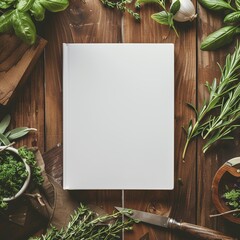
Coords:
180,203
16,62
209,163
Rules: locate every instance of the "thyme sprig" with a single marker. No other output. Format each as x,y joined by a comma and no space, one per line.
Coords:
122,6
87,225
219,97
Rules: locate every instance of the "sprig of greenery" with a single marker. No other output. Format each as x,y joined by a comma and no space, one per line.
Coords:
217,95
7,136
122,6
87,225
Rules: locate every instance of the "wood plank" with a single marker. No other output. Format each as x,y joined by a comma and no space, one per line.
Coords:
212,160
16,62
180,203
87,23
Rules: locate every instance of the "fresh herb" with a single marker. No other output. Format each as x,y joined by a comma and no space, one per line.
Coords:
7,136
13,174
231,15
232,198
17,16
87,225
121,5
223,96
29,156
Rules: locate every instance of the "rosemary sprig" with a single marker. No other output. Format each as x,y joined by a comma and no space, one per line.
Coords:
122,6
86,225
217,92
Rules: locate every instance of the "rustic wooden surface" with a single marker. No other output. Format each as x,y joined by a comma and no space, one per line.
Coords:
40,106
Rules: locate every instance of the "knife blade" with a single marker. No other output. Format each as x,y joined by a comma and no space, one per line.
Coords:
170,223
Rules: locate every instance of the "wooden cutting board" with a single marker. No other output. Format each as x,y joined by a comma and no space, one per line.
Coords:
16,62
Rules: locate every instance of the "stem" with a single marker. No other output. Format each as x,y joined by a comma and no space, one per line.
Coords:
225,213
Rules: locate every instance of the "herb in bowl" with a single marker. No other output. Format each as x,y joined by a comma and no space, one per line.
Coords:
13,176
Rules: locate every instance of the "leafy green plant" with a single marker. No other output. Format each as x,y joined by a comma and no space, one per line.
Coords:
13,174
224,97
17,16
6,137
232,199
121,5
87,225
231,16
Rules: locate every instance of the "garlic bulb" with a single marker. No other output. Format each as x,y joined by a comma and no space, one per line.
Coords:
186,12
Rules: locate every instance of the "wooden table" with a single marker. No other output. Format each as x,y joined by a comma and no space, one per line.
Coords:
40,106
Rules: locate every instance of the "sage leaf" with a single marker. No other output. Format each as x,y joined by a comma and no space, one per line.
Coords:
19,132
161,17
55,5
4,140
38,11
6,22
232,17
5,123
24,5
216,5
24,27
220,38
175,7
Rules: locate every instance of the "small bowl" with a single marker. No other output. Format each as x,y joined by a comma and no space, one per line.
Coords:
26,183
227,174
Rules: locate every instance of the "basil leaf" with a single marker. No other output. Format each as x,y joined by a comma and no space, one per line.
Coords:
5,123
24,5
19,132
161,17
216,5
4,140
232,17
38,11
237,3
55,5
6,22
175,7
24,27
220,38
4,4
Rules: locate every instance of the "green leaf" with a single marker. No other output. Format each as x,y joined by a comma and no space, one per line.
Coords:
138,2
220,38
216,5
54,5
193,107
24,5
161,17
24,27
175,7
6,22
4,4
232,17
19,132
4,140
237,3
5,123
190,126
38,11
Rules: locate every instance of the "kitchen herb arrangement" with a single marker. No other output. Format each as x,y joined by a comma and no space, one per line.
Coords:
180,10
230,10
218,116
13,172
18,15
86,225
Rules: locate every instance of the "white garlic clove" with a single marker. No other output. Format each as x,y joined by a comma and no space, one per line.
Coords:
186,12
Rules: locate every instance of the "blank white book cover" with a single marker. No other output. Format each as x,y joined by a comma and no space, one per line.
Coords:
118,116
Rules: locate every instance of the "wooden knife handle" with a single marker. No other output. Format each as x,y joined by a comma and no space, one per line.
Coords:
199,231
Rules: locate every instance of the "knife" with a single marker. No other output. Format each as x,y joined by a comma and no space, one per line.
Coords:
170,223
